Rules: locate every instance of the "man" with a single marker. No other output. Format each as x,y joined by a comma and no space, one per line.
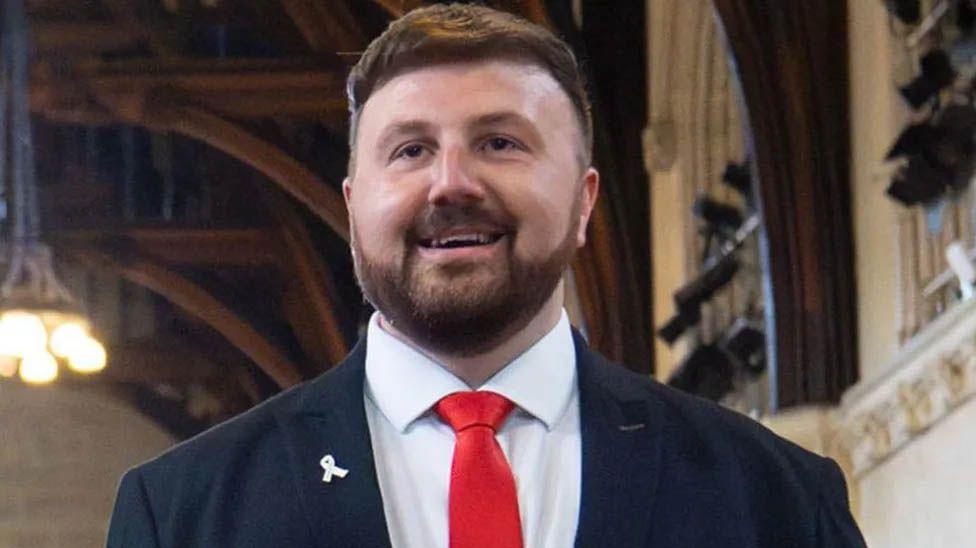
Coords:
472,415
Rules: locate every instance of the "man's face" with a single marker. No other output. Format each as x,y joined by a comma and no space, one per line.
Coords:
468,200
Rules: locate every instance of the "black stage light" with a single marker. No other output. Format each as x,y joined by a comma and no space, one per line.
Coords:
919,182
956,152
965,16
941,155
707,372
937,74
715,275
747,344
908,11
737,176
958,120
676,327
914,140
720,217
689,298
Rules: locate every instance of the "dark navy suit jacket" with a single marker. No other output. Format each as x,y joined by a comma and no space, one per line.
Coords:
660,469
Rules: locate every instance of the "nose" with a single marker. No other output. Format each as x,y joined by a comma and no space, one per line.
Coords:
454,181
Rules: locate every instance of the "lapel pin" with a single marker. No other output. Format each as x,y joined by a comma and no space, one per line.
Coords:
631,427
329,466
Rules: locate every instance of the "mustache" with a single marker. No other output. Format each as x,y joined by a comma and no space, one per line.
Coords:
437,219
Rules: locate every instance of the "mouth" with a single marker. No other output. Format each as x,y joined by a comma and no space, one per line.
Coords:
461,240
463,245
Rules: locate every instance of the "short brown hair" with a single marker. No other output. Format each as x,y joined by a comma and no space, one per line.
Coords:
453,33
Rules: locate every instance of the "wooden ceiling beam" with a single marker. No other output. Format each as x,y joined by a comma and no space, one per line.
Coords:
288,173
240,88
327,27
198,302
69,39
168,110
125,13
198,247
231,75
149,364
318,328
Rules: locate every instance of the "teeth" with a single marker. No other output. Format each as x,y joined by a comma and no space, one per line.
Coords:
464,239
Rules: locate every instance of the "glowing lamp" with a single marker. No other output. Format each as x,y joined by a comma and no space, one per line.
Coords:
88,356
38,368
67,339
21,333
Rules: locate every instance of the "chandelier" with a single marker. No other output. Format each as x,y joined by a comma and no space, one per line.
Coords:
41,325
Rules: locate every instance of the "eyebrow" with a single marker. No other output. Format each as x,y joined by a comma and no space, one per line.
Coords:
506,117
398,129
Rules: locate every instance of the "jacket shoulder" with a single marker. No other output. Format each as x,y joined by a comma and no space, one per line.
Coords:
701,431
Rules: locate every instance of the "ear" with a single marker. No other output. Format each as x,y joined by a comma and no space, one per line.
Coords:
347,195
590,190
347,190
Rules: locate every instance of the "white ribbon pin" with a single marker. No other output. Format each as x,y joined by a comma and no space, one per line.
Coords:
328,464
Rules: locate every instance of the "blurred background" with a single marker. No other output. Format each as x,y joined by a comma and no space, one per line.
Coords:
786,226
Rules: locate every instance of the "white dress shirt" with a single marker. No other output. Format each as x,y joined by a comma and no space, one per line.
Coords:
413,448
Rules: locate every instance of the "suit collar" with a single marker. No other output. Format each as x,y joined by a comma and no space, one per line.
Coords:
621,428
405,383
329,417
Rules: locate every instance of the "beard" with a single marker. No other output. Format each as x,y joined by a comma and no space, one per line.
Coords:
461,309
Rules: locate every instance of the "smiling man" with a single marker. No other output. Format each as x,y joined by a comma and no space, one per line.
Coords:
472,415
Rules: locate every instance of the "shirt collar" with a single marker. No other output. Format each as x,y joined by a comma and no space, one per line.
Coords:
404,383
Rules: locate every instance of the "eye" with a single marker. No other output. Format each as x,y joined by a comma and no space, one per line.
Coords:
500,144
410,151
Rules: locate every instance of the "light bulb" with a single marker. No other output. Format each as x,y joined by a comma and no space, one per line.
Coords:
38,367
66,338
21,333
87,357
8,366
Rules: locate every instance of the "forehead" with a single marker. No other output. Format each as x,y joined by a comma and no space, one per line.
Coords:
454,92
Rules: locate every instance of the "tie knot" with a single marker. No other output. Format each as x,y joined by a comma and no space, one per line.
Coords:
463,410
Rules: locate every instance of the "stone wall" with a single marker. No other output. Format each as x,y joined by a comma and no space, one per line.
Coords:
62,453
924,495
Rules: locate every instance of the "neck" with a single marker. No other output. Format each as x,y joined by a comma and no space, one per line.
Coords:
476,370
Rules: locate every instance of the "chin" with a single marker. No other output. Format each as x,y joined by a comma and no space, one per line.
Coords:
457,298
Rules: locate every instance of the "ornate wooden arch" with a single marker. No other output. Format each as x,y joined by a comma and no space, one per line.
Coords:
791,59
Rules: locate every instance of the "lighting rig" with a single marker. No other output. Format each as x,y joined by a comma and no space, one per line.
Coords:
937,151
712,369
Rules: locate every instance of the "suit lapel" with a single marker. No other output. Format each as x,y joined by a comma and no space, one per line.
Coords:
330,419
621,457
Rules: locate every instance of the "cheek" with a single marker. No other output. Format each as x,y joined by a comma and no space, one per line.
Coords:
382,217
542,223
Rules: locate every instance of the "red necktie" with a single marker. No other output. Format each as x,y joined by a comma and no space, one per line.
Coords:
483,504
